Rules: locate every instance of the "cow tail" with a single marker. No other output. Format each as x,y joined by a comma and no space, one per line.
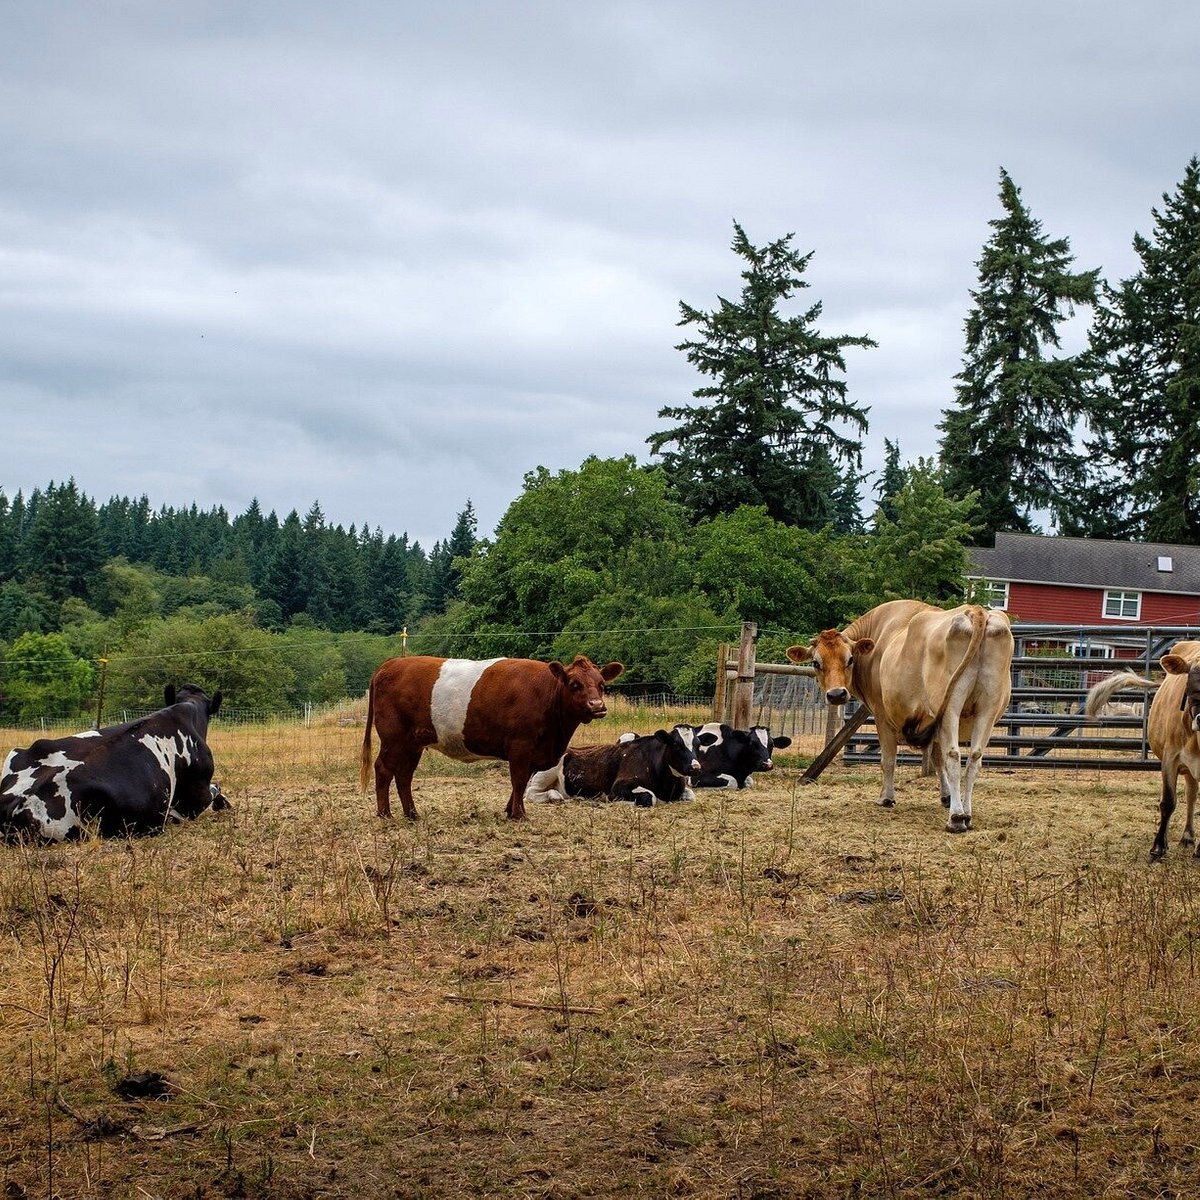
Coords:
364,766
919,733
1104,691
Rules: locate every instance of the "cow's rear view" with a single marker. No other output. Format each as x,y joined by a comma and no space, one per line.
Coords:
129,778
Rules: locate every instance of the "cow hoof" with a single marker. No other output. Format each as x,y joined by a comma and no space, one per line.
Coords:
1157,853
888,802
945,801
958,825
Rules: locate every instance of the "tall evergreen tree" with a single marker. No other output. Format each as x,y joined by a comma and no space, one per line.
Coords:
891,480
1011,431
1145,406
444,576
776,415
62,550
286,581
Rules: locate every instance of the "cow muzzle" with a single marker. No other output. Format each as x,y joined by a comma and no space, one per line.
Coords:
598,709
838,695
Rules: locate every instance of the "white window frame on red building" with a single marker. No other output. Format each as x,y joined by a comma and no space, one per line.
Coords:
992,592
1121,598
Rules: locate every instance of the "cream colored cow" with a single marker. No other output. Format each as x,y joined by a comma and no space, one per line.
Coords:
932,678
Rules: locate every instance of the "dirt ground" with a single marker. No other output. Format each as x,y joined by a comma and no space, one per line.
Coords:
781,992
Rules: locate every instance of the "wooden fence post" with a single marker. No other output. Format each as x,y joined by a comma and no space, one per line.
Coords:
743,696
719,694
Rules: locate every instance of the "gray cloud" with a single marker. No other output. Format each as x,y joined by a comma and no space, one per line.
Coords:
392,256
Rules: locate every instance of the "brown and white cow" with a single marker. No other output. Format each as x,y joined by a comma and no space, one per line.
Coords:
516,709
1173,728
932,678
644,770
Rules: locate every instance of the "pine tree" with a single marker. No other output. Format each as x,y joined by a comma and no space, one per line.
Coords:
1145,405
776,415
286,581
1011,432
444,576
891,481
62,550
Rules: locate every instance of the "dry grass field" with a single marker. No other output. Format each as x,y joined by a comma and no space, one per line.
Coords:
784,992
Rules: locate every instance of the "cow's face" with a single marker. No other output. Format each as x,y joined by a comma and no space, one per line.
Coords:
832,655
681,755
1176,664
584,685
762,745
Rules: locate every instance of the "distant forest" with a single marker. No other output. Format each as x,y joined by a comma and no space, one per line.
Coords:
56,544
286,611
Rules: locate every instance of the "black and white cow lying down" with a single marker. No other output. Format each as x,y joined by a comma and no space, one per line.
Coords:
131,778
729,757
646,770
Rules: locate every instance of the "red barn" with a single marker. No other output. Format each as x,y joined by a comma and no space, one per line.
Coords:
1086,581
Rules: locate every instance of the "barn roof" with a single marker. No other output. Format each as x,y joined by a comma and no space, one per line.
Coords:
1089,562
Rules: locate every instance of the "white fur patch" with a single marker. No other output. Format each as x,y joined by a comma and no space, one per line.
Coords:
49,827
449,701
546,787
167,754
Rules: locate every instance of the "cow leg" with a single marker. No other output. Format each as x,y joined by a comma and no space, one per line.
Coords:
546,787
943,776
398,765
519,773
887,760
1166,807
981,734
1189,795
959,820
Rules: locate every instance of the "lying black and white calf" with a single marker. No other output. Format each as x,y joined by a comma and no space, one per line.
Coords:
645,770
130,778
729,757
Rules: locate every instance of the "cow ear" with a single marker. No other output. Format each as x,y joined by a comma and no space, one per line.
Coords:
661,735
215,706
169,695
863,646
558,671
611,670
799,654
1174,664
781,743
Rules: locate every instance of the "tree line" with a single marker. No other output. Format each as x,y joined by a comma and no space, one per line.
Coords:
750,508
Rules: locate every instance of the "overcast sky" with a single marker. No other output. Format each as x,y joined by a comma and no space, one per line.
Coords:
392,255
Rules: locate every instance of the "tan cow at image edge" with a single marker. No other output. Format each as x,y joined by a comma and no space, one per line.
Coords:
932,678
1173,727
519,710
